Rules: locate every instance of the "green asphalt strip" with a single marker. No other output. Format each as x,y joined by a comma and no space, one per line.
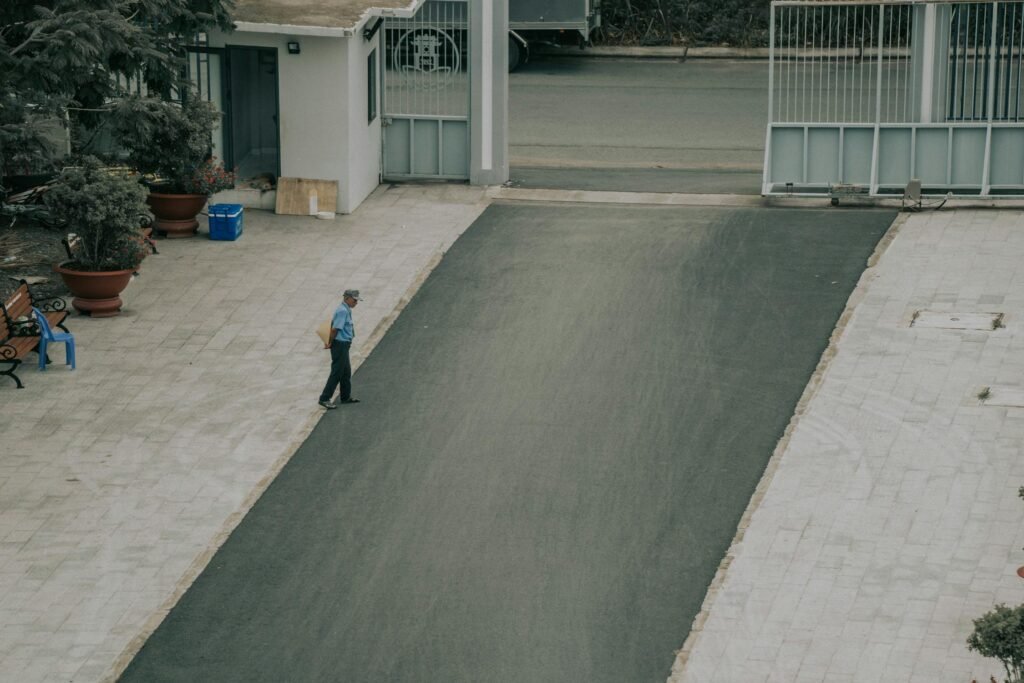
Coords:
557,440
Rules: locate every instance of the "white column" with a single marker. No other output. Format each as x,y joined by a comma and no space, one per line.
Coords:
927,56
488,110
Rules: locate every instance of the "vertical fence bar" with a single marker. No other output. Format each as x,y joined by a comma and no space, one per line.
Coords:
963,80
878,105
990,103
846,56
765,179
860,89
951,66
827,61
886,45
1000,100
963,43
811,58
803,71
1020,66
906,65
978,41
788,59
913,72
771,65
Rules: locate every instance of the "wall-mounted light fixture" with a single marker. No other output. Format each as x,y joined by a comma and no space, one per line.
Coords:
370,31
293,47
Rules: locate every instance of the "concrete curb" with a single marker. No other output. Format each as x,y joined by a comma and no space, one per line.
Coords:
503,193
668,52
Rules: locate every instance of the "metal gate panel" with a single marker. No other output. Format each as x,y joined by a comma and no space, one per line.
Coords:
454,146
857,155
1007,151
895,152
932,148
425,88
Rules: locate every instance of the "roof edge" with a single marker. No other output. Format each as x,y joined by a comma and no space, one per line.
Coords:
331,31
294,29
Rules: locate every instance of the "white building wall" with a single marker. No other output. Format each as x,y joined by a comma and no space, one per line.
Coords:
314,108
364,144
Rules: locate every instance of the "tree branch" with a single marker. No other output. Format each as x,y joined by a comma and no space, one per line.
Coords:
31,39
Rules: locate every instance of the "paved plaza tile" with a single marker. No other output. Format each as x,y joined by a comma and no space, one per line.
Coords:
119,479
890,519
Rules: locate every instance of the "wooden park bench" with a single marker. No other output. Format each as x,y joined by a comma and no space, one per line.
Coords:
18,308
15,344
19,331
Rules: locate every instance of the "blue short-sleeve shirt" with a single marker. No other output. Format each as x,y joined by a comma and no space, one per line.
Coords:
342,321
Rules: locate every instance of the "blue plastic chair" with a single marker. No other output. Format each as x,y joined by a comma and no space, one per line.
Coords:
47,337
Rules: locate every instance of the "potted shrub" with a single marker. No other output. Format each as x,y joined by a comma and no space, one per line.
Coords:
1000,634
103,207
170,142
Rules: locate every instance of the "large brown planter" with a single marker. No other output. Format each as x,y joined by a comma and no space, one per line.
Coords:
96,294
175,214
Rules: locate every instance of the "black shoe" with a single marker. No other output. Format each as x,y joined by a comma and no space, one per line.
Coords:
328,405
348,400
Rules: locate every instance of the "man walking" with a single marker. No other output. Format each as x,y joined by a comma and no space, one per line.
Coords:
339,341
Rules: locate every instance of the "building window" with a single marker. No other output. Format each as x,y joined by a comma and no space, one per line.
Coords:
371,86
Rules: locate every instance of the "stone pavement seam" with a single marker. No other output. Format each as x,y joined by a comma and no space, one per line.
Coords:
203,559
813,386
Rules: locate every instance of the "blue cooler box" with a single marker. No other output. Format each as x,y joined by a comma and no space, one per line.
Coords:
225,221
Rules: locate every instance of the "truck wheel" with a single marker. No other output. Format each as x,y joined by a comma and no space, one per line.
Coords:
515,54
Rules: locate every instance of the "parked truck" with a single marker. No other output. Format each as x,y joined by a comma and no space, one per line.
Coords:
555,22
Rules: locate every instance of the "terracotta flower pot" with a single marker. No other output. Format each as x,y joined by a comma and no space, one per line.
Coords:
175,214
96,294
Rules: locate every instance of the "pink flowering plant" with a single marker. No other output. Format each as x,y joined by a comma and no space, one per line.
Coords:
209,177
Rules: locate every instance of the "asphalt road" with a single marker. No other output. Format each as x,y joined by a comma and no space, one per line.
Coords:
556,442
668,126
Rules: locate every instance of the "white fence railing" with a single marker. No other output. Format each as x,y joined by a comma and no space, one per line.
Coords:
874,94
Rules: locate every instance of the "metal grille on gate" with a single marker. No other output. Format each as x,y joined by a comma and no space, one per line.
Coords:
425,91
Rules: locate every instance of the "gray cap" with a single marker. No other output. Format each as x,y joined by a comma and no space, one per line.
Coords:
353,293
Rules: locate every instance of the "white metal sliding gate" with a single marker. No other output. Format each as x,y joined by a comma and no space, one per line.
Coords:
425,80
873,95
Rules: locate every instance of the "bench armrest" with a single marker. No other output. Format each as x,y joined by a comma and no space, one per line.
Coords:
50,305
8,352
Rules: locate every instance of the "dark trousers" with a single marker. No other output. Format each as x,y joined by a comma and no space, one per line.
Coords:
341,372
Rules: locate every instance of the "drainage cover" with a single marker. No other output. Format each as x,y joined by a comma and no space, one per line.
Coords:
957,321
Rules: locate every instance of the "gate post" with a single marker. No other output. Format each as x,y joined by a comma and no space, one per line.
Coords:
929,54
488,118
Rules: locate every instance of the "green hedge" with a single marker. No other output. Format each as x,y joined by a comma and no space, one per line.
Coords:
738,23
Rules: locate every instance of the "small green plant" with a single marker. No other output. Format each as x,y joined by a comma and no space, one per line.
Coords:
104,208
1000,634
984,394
